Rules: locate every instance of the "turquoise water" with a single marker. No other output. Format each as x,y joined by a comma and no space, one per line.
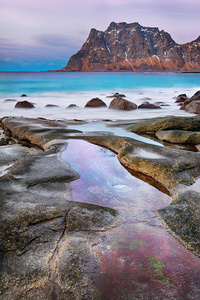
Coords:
78,88
16,83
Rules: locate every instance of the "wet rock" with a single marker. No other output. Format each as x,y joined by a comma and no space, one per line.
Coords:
72,106
193,107
117,95
122,104
10,100
179,136
161,103
181,98
195,97
146,99
37,212
24,104
147,105
182,217
51,106
4,142
95,102
52,246
23,95
163,123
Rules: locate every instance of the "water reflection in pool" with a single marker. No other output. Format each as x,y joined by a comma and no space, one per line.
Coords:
138,258
103,180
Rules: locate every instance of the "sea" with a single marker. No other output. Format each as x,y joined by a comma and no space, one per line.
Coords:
65,88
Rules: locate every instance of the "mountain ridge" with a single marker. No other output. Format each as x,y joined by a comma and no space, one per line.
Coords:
132,47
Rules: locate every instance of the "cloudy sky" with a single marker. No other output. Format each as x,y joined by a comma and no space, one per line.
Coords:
38,35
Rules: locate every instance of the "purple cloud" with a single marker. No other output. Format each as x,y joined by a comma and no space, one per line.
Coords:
59,28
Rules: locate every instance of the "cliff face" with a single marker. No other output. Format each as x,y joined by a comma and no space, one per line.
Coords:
132,47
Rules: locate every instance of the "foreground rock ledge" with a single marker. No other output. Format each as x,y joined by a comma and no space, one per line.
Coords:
39,218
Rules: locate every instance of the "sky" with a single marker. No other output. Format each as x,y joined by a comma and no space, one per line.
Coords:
41,35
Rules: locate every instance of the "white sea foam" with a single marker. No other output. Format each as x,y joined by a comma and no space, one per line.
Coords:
64,99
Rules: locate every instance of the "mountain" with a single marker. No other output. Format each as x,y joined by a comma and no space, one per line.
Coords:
132,47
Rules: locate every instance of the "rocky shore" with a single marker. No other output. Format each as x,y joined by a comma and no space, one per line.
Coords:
55,248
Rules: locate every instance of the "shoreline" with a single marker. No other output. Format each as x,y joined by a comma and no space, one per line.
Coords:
53,243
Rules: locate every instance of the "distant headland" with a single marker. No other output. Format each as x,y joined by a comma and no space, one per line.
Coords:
132,47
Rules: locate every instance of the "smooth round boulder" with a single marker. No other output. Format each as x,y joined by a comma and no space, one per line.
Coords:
116,95
147,105
24,104
181,98
72,106
193,107
95,102
122,104
23,95
10,100
196,96
51,105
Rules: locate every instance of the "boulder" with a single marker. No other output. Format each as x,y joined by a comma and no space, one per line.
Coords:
24,104
148,105
51,105
145,99
95,102
116,95
122,104
193,107
71,106
195,97
160,103
179,136
23,95
181,98
10,100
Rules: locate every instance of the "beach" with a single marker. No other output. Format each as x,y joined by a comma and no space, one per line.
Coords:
63,89
99,203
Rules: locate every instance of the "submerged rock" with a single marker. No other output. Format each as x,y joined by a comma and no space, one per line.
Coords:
51,105
72,106
117,95
10,100
122,104
147,105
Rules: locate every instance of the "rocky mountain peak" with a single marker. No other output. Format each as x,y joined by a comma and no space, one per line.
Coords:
132,47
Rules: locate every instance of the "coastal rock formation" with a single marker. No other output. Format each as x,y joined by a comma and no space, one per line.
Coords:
132,47
51,106
122,104
24,104
181,98
52,247
148,105
117,95
192,104
179,136
72,105
193,107
95,102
